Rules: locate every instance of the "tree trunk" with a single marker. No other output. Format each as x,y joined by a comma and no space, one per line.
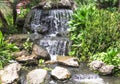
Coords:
4,22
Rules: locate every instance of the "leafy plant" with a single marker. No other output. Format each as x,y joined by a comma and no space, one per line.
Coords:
94,31
5,51
28,45
41,61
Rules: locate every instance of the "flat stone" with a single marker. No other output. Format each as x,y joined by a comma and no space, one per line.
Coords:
10,73
24,58
61,73
68,61
36,76
106,69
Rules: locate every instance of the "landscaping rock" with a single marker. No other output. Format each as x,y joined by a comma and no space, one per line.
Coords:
36,76
18,39
40,52
20,53
61,73
34,37
27,59
95,65
10,73
106,69
68,61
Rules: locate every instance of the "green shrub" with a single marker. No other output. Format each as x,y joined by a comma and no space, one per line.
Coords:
94,31
6,50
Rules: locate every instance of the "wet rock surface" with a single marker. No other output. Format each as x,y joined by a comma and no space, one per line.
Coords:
60,73
40,52
10,73
36,76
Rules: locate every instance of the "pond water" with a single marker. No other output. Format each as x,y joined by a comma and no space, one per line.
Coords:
83,71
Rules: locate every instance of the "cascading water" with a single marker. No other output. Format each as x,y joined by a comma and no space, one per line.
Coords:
53,25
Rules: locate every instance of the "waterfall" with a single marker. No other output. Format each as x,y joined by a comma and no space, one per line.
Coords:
53,25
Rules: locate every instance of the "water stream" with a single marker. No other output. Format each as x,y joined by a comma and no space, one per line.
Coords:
53,24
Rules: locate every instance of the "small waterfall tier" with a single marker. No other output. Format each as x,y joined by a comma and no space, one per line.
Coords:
53,25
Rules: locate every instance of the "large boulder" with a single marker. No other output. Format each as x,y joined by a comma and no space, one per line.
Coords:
10,73
40,52
106,69
101,67
61,73
36,76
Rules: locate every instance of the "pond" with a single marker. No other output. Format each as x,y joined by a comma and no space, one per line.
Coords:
83,70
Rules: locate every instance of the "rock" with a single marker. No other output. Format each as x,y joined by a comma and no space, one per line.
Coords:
61,73
36,76
106,69
65,60
10,73
34,37
27,59
50,62
68,61
40,52
20,53
18,39
95,65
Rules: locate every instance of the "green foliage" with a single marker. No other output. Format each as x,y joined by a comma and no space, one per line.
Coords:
28,45
107,3
5,51
23,12
41,61
94,31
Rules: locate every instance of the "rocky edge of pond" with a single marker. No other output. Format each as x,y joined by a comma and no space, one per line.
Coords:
11,72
